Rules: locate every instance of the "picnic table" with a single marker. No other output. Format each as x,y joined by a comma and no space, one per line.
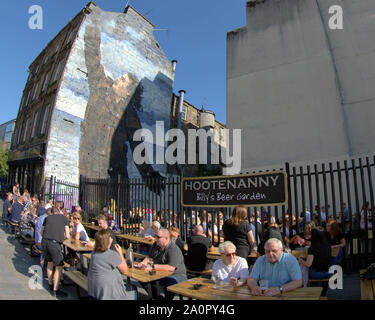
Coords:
142,275
78,247
228,292
134,238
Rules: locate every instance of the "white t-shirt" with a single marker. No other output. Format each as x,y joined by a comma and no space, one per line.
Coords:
79,228
239,270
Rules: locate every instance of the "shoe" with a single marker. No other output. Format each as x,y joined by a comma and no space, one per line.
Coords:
59,294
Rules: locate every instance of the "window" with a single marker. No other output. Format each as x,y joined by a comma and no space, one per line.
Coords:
25,132
34,124
45,83
45,59
57,71
19,132
45,119
27,99
35,90
184,113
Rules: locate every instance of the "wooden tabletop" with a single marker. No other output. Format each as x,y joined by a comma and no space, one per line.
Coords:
135,238
215,255
227,292
139,274
77,246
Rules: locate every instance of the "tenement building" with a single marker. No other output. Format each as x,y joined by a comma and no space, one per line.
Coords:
299,89
100,79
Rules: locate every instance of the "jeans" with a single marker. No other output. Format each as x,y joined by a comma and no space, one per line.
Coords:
316,275
165,282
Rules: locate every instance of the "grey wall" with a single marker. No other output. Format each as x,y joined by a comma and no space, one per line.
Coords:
296,89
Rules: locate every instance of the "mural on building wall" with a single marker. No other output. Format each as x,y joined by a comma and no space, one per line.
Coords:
117,80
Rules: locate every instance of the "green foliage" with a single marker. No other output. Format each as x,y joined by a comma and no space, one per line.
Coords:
3,160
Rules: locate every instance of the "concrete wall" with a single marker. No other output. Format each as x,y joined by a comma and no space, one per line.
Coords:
293,97
124,83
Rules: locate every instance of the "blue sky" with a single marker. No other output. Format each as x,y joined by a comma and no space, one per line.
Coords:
196,37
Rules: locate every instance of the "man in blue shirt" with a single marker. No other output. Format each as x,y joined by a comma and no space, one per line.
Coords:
7,206
17,209
280,269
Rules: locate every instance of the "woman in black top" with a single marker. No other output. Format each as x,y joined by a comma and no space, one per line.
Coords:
237,230
336,239
319,255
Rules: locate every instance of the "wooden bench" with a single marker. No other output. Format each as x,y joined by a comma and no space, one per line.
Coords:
79,279
15,226
367,288
195,274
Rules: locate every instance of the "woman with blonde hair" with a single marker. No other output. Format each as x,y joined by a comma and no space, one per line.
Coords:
237,230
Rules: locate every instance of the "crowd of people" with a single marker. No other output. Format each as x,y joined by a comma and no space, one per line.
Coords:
237,236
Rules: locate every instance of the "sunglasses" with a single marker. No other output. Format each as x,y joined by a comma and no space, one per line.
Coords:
158,237
75,218
229,254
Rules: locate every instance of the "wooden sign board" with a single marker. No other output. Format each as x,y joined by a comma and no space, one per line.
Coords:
260,189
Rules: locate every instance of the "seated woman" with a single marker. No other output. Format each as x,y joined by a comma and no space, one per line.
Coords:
27,222
318,256
174,233
302,239
104,278
336,238
230,268
78,230
143,228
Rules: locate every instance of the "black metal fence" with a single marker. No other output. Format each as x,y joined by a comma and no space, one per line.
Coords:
342,191
58,190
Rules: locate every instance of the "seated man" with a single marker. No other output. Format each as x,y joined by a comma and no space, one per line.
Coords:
166,256
7,206
280,269
41,210
198,246
151,231
38,234
103,224
17,209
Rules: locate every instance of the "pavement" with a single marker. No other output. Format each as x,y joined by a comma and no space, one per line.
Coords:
16,283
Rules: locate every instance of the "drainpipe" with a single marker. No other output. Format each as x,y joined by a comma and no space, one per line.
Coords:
179,123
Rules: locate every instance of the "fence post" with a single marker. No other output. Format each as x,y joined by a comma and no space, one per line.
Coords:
80,192
118,199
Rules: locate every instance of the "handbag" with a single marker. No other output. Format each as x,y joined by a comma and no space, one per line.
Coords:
369,274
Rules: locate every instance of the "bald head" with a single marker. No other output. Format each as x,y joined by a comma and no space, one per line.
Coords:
198,230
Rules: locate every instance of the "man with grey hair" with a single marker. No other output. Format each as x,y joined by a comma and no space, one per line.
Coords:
151,232
166,256
279,268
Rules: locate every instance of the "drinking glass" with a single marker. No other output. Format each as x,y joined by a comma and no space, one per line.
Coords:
215,280
151,262
263,284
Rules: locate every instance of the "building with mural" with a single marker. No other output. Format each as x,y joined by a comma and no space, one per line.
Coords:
100,79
